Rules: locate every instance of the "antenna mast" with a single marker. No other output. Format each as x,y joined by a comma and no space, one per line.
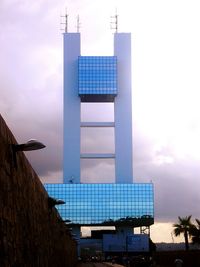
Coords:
65,22
78,24
114,22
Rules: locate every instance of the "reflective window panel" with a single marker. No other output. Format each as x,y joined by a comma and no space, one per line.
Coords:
105,204
97,75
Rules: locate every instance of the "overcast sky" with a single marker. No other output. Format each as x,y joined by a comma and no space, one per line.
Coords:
166,83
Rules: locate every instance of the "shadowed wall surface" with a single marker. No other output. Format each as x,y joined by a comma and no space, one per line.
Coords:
31,233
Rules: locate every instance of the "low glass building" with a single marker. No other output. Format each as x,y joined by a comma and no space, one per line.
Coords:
105,204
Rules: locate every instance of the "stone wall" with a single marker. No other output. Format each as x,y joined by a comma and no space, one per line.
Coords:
31,234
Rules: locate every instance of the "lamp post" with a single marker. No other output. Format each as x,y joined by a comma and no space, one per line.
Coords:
30,145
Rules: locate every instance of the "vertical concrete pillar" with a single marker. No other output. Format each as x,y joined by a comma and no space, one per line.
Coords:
71,157
123,110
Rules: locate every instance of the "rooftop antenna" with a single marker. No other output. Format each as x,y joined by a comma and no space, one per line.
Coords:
65,22
78,24
114,22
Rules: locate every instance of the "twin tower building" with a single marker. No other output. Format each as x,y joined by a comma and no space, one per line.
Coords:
100,79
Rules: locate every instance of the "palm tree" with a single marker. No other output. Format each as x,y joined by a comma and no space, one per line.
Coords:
183,226
195,232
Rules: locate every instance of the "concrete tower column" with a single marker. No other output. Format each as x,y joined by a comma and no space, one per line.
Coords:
71,157
123,110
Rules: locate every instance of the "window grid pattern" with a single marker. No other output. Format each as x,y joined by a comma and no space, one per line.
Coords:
98,204
97,75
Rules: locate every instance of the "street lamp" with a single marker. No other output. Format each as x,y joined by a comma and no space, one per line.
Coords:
30,145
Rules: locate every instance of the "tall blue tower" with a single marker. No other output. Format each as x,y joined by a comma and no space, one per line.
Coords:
100,79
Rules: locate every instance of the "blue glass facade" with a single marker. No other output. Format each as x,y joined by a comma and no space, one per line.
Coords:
97,75
105,204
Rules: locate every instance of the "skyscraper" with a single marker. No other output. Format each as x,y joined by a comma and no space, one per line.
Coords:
100,79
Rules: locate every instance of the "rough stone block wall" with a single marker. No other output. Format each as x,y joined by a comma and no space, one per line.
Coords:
31,234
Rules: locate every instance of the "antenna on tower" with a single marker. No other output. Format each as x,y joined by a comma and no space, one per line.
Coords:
65,22
114,22
78,24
